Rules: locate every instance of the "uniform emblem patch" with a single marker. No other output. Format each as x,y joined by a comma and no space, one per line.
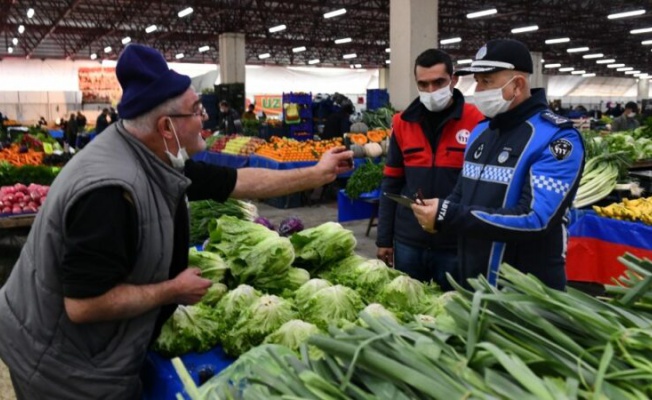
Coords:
462,136
478,152
561,149
503,156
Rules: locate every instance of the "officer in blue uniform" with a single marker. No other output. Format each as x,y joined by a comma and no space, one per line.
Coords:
522,167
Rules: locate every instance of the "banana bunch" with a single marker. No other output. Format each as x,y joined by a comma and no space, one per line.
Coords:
628,210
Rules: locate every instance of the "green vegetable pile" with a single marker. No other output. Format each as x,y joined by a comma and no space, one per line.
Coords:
379,118
523,341
272,298
202,212
39,174
364,179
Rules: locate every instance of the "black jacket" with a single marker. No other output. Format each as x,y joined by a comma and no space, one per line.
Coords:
521,172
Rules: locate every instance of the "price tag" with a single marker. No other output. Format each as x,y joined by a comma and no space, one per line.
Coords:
47,148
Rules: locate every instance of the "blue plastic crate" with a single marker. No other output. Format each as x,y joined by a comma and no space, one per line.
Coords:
297,98
377,98
161,382
350,210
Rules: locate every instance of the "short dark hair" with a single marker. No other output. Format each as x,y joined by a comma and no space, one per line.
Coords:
224,103
632,106
432,57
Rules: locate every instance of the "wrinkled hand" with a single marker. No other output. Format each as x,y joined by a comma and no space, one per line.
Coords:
425,214
386,255
190,286
336,161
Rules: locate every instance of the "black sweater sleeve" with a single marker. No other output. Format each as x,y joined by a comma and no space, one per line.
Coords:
210,181
100,243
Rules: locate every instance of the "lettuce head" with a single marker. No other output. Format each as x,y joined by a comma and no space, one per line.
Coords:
190,328
212,266
303,294
214,294
232,304
292,334
323,245
403,295
331,305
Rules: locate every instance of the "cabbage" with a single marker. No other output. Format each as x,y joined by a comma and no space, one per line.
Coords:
292,334
190,328
214,294
303,294
234,302
257,255
261,318
331,305
403,295
290,225
265,222
212,265
323,245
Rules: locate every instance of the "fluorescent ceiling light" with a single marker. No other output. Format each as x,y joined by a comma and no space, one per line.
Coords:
526,29
343,40
349,56
605,61
14,41
388,61
615,65
624,69
204,49
553,65
645,42
632,72
312,62
557,40
151,28
482,13
21,29
580,72
588,75
264,56
107,49
594,55
542,61
10,49
126,40
465,61
335,13
357,65
299,49
277,28
642,30
93,56
30,13
626,14
179,56
577,49
185,12
566,69
641,75
388,50
451,40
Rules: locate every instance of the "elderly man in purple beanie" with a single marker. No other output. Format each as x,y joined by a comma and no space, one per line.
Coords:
106,261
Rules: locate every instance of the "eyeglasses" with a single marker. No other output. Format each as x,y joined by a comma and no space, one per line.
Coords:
201,112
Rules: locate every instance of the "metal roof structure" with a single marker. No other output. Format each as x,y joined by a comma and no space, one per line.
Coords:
76,29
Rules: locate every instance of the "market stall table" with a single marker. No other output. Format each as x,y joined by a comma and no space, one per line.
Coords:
13,226
222,159
595,243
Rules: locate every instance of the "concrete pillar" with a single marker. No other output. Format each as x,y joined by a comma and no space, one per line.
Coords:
383,78
412,29
643,89
536,79
232,57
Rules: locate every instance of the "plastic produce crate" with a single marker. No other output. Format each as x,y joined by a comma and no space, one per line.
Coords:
363,208
161,382
377,98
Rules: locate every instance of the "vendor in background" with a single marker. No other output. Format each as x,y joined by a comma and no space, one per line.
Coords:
338,123
522,168
425,154
102,121
229,119
81,122
106,260
71,130
627,120
41,121
249,114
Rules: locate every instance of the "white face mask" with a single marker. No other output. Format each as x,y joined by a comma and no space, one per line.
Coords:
437,100
631,114
491,102
179,161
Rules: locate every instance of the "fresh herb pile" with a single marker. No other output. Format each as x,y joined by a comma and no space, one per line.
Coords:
365,178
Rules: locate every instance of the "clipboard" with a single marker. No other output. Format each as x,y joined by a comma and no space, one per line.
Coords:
400,199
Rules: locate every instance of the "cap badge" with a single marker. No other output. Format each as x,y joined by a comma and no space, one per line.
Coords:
481,53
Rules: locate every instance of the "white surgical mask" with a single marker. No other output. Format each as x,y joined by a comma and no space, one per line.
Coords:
437,100
179,161
631,114
491,102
